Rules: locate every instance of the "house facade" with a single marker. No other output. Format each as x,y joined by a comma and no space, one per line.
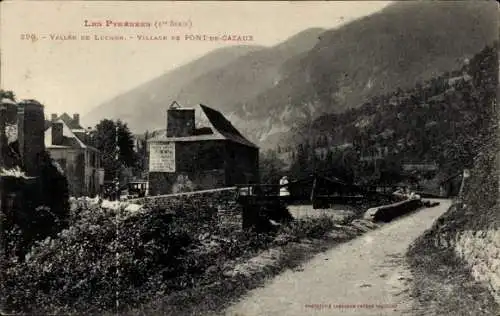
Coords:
186,158
68,144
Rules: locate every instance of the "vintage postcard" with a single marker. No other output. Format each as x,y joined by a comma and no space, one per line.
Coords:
249,158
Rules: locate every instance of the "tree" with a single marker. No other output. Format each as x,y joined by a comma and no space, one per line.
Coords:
104,139
141,155
301,164
271,167
6,94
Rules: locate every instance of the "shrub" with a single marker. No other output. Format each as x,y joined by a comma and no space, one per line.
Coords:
39,208
308,228
110,257
102,254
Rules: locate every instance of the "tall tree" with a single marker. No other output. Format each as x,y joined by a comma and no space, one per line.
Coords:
104,139
141,154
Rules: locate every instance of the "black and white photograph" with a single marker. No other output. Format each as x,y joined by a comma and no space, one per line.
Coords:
247,158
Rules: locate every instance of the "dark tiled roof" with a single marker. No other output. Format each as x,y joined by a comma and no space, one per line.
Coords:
224,127
220,128
72,124
70,139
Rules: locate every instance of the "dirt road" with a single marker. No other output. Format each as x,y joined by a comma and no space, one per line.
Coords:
365,276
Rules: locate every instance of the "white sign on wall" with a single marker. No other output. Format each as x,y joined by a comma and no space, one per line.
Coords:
162,157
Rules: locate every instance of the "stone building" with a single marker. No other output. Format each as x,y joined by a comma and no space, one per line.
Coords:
21,137
68,144
22,151
186,158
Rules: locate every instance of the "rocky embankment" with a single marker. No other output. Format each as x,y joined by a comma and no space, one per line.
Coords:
457,262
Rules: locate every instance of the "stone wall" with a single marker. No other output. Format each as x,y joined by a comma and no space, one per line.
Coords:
481,249
70,160
242,165
203,165
386,213
161,183
471,227
222,198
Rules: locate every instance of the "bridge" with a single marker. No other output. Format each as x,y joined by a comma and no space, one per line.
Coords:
263,202
317,189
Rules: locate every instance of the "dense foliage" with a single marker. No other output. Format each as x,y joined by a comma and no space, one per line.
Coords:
104,139
7,95
97,261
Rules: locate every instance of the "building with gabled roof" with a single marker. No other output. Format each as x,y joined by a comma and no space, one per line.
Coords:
187,158
69,145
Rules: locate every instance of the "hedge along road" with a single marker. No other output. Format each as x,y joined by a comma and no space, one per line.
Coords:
365,276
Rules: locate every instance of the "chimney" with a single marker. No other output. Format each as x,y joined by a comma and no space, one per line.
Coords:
180,122
57,133
76,118
53,117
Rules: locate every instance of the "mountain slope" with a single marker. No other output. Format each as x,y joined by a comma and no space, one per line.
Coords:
268,91
401,45
154,96
220,84
446,120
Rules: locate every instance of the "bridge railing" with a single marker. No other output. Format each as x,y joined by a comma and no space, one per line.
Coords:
259,189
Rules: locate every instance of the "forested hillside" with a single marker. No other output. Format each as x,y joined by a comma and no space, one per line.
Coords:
444,120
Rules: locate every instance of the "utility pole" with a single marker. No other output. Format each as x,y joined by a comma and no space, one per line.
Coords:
117,157
3,138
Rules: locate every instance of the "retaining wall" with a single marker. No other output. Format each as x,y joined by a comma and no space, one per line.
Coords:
471,227
388,212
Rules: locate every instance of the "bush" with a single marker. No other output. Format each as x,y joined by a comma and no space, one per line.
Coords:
308,228
107,257
102,254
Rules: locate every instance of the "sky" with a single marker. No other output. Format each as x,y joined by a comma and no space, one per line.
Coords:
78,73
